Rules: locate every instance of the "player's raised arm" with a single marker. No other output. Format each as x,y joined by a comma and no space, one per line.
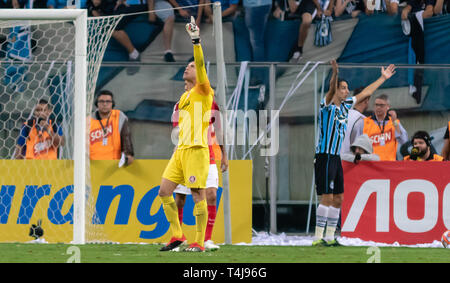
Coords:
333,82
201,76
385,75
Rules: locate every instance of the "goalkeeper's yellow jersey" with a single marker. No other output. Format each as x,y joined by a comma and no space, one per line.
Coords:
195,107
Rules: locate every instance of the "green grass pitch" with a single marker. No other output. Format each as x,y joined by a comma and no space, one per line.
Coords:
134,253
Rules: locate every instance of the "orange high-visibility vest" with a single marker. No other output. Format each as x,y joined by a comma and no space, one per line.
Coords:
105,141
435,157
40,144
383,138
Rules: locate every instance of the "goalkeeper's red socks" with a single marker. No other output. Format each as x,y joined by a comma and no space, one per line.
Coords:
180,215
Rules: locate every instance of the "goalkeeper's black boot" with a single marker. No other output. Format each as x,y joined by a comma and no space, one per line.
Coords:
173,243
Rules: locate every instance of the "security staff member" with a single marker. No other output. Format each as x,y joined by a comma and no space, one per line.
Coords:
109,134
384,130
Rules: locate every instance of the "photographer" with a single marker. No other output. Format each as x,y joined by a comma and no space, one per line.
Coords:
421,151
40,137
361,149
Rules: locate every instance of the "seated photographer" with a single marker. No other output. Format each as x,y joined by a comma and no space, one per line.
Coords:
421,151
361,149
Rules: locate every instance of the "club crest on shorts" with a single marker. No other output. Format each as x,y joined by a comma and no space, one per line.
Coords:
192,179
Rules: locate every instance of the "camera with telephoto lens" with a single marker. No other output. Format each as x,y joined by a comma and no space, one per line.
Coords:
357,158
39,128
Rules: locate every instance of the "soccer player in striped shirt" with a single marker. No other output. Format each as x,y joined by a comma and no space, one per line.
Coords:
329,176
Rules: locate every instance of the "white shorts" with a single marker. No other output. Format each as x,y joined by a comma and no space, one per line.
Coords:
164,10
211,182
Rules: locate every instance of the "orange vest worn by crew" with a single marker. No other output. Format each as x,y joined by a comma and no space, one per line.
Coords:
383,137
435,157
40,144
104,137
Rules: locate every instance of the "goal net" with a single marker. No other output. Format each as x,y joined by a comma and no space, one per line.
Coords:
49,62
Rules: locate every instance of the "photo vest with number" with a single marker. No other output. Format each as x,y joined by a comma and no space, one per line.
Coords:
40,144
104,136
382,136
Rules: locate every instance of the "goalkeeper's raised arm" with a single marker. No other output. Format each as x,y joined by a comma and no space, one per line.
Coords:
201,77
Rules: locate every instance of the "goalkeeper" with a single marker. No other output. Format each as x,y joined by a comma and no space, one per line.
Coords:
189,164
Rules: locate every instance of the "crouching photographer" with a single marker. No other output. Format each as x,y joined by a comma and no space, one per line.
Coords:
361,149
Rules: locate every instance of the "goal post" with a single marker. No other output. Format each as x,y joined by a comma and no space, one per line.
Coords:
79,18
51,55
80,114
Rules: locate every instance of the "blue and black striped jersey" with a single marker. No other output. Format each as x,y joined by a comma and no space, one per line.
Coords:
333,124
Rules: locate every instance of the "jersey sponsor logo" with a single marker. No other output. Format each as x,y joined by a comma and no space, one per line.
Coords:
381,138
97,134
42,147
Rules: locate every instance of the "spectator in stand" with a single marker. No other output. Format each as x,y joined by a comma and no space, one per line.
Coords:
186,11
421,151
36,4
56,4
256,16
9,4
414,13
446,149
414,6
442,7
229,8
97,8
166,14
115,7
392,7
306,9
350,7
129,7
